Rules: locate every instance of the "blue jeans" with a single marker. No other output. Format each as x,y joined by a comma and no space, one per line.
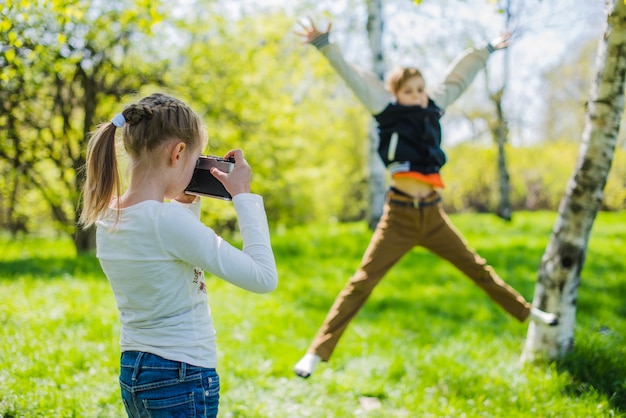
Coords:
155,387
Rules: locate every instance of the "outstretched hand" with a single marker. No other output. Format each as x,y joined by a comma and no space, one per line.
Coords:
238,180
501,41
310,31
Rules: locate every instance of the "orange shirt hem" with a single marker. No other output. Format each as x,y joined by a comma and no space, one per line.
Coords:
433,179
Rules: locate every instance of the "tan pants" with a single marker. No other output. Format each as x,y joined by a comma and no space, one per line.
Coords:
400,229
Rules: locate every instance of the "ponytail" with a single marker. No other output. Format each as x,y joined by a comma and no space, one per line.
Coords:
145,125
102,176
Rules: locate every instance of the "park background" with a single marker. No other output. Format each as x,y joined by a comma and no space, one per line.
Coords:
68,65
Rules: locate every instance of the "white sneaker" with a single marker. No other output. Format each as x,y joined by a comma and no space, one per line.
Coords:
306,366
542,317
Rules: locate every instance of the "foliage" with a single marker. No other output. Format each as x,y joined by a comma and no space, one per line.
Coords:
261,90
240,74
428,342
539,174
567,92
62,64
66,65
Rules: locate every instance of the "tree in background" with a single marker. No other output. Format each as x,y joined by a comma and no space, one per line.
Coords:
500,132
562,262
496,121
260,90
254,84
376,169
566,89
65,64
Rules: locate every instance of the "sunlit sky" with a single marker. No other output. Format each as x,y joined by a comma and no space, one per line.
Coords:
431,34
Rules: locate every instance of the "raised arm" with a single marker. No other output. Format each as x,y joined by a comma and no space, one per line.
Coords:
463,70
367,87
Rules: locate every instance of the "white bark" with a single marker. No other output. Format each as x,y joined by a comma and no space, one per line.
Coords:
505,211
376,172
562,262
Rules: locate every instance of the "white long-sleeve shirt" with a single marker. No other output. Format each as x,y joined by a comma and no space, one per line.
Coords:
155,256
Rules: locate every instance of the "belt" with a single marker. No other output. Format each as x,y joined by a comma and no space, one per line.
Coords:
415,202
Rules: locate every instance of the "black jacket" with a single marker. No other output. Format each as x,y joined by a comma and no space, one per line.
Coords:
411,134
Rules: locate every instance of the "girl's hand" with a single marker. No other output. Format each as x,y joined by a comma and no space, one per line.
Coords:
238,180
501,41
310,31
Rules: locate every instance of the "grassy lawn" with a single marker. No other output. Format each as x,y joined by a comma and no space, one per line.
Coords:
427,344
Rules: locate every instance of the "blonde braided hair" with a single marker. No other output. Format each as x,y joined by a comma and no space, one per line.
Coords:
149,123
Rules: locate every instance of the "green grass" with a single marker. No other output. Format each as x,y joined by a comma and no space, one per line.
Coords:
428,343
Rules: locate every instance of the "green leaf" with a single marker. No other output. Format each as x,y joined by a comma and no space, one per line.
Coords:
10,55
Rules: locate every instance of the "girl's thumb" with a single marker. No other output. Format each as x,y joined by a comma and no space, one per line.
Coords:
218,174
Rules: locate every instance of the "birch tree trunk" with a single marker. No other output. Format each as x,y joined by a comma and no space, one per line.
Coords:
562,262
376,168
501,133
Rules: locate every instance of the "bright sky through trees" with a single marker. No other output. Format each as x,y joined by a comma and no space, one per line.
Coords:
429,35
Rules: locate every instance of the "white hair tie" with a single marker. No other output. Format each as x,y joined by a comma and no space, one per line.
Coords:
118,120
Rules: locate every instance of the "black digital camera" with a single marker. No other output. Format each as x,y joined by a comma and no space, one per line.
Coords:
203,183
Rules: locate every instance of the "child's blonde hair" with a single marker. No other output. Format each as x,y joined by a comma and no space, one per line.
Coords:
399,75
147,124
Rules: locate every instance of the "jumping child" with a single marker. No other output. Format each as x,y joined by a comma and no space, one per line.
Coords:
410,146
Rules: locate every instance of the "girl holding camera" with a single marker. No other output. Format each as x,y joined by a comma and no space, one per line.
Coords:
155,251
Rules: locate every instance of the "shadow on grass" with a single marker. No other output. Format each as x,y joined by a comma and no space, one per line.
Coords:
597,364
44,268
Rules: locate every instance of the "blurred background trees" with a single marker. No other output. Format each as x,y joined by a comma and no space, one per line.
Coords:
67,65
64,64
